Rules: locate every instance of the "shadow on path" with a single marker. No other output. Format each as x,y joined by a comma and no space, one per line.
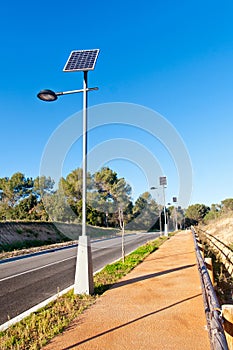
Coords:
168,256
152,275
130,322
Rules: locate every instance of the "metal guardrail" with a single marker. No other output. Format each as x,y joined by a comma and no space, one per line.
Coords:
224,252
212,307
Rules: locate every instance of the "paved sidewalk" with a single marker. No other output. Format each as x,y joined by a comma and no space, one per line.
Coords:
158,305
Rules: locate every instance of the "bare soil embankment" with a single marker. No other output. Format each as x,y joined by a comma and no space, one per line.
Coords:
20,237
221,228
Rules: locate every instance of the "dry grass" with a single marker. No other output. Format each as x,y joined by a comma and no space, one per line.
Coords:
34,331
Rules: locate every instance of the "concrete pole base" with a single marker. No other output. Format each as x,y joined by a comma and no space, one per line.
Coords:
84,270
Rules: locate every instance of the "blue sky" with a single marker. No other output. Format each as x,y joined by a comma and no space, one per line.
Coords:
174,57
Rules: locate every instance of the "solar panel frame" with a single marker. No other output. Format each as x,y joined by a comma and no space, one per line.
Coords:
81,60
163,180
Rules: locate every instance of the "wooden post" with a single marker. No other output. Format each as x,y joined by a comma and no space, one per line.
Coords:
209,266
201,248
227,314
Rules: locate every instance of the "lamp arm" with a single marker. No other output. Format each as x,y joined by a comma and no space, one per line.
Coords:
74,91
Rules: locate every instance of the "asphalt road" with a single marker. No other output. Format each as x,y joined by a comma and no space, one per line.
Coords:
27,282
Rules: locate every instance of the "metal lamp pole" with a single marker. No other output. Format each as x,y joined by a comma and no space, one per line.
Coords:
165,215
84,205
83,283
175,201
163,183
160,221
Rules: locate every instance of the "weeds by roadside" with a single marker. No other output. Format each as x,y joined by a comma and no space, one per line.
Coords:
35,331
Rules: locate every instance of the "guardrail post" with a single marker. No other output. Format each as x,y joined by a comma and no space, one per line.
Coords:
201,248
227,314
209,266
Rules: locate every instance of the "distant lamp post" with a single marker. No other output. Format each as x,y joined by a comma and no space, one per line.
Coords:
106,219
81,60
163,183
175,201
167,217
160,221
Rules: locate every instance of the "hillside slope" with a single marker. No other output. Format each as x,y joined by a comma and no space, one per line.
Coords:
12,232
221,228
15,235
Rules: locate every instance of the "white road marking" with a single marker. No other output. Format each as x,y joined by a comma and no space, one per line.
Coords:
35,269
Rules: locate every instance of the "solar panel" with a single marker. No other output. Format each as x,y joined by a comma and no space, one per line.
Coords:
81,60
163,181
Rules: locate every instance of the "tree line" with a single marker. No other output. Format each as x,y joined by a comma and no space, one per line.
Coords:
201,213
23,198
108,198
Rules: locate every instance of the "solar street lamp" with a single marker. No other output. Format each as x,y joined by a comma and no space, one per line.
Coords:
163,183
81,60
175,201
160,221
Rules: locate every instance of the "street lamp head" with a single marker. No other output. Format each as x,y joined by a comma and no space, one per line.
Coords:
153,188
47,95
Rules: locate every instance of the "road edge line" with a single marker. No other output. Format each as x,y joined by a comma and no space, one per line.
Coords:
35,308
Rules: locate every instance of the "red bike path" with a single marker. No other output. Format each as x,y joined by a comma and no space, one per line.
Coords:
158,305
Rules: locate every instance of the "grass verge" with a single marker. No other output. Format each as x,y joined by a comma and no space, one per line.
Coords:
36,330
